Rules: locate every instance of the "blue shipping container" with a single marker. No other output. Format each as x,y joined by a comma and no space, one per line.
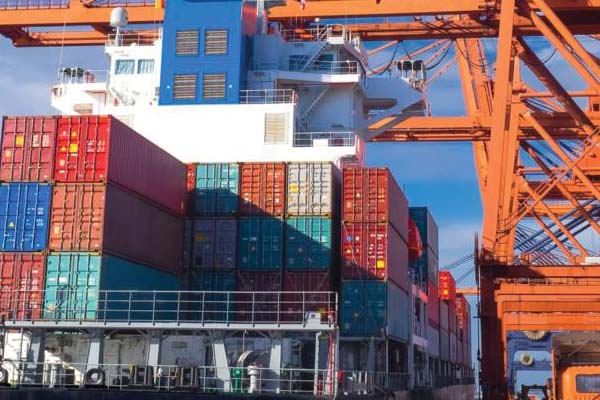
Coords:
24,215
217,189
369,308
260,244
425,267
308,244
211,307
75,285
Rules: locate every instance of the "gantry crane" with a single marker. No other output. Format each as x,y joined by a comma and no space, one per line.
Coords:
535,143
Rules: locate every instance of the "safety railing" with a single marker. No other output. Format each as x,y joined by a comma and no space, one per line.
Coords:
312,34
32,4
347,67
128,38
77,75
327,139
267,96
164,307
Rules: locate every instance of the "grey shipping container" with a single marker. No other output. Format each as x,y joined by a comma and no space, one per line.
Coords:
214,244
310,189
433,341
444,345
444,311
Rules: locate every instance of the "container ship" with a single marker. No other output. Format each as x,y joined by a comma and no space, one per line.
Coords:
201,220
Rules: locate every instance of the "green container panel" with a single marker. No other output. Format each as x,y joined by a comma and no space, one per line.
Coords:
308,244
75,285
217,189
369,308
210,307
260,244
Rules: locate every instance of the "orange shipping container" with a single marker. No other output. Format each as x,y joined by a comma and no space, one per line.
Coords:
447,286
262,189
21,284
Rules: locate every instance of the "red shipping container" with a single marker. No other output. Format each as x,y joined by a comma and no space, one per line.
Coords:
28,147
433,305
94,217
21,285
103,149
374,251
262,189
373,195
447,286
295,306
463,313
190,188
265,305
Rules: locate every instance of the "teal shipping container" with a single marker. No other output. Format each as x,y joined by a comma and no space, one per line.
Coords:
308,244
205,303
427,266
217,189
24,216
76,285
260,244
371,308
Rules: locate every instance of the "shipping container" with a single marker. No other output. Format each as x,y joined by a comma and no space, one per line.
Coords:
190,190
374,251
295,306
453,348
260,241
463,311
188,244
262,189
371,308
444,312
24,214
214,306
214,244
452,318
447,286
425,267
311,189
308,243
28,148
217,189
373,195
258,307
433,305
105,218
21,284
433,341
103,149
444,345
75,285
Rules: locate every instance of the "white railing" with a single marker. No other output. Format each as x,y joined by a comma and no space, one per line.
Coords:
170,307
267,96
319,33
77,76
129,38
32,4
327,139
204,379
347,67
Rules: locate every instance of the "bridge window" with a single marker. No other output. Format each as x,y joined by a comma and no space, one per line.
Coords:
186,43
184,87
213,86
125,67
215,42
145,66
588,383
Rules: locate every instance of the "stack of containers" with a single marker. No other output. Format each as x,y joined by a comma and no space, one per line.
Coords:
463,314
312,218
425,268
116,217
212,233
261,238
447,295
26,168
375,280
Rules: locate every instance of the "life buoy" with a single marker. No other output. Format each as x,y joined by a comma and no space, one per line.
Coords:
3,376
94,377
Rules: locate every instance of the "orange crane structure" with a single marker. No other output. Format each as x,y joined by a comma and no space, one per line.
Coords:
535,142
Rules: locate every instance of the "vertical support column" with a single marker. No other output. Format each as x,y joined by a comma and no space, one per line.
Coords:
275,358
95,357
317,361
221,363
154,352
411,331
35,357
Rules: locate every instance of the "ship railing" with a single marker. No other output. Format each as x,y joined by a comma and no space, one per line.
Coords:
33,4
268,96
325,139
78,75
194,378
141,38
319,33
347,67
316,309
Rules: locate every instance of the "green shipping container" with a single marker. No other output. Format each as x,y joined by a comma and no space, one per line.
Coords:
370,308
260,244
75,285
308,244
217,189
211,307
